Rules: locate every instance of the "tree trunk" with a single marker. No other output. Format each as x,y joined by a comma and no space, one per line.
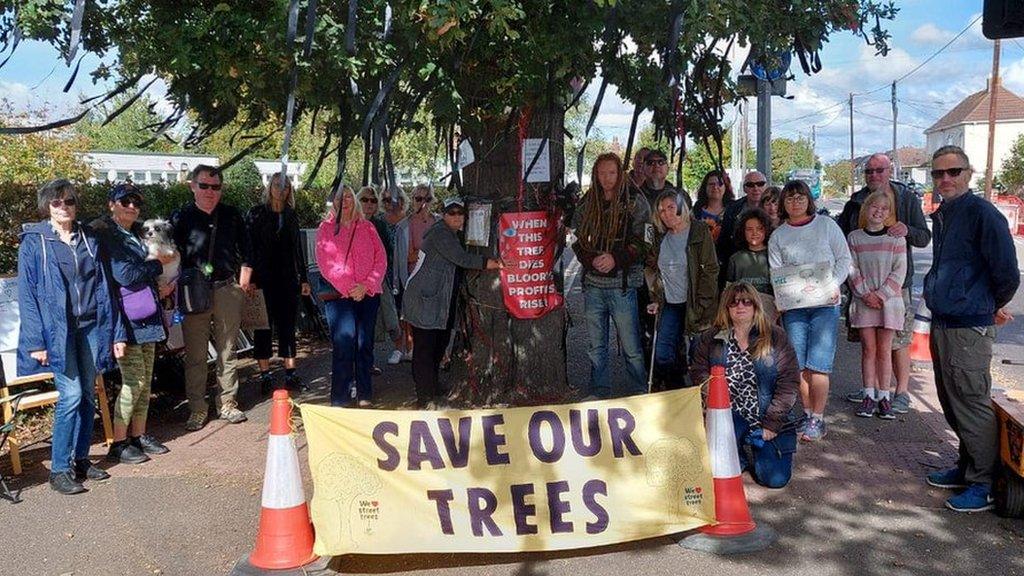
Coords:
499,359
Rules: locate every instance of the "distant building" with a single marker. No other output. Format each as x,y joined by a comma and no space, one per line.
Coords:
966,126
157,168
913,165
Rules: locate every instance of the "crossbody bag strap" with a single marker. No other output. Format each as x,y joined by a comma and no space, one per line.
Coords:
213,243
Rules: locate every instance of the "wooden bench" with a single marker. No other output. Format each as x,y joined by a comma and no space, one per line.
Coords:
9,382
1009,488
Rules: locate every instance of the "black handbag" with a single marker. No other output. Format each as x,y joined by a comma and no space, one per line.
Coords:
195,285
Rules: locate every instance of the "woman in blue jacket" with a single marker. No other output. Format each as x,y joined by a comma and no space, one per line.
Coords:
134,279
69,326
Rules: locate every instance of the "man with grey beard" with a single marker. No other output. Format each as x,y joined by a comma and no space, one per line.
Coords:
911,225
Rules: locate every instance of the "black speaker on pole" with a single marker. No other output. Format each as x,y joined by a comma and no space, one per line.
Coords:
1003,19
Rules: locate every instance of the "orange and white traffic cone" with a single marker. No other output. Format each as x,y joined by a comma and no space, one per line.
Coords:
735,531
920,342
284,540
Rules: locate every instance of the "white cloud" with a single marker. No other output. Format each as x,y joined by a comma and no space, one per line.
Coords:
930,34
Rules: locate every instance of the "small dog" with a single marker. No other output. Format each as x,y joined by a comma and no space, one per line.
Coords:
156,235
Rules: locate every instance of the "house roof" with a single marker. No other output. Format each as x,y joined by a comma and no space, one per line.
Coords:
909,157
974,108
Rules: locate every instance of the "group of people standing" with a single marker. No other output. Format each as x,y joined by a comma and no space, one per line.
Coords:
705,269
689,281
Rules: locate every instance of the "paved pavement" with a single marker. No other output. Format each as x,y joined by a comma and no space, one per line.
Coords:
857,503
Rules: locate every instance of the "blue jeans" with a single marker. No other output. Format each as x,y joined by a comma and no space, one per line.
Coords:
76,404
669,364
813,333
773,460
619,306
352,327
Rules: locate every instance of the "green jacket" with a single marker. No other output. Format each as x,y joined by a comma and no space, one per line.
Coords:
702,284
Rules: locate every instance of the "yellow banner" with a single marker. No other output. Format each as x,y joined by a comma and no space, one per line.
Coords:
511,480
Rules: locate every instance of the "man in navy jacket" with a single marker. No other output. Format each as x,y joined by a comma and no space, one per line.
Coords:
974,275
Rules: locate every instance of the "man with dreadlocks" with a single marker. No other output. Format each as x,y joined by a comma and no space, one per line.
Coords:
611,247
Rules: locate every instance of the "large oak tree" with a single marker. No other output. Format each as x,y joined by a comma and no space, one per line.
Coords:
490,71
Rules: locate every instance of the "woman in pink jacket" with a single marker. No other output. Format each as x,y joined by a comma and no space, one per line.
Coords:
352,260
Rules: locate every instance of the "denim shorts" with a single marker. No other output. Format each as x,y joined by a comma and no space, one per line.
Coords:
813,333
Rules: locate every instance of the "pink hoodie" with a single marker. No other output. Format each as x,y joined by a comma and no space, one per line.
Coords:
366,262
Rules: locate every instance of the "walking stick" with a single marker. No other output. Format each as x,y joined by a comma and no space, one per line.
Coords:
654,346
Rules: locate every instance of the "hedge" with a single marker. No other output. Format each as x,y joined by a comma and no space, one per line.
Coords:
18,206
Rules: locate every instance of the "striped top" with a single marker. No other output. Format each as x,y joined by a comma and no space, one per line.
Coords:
879,265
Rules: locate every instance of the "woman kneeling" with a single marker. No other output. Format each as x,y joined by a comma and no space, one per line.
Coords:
763,375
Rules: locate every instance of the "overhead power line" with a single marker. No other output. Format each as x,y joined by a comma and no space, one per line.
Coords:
925,62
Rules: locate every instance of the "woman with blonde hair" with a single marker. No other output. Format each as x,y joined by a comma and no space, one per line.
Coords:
763,376
682,273
279,270
352,260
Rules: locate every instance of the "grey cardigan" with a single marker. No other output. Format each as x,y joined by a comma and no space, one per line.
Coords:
428,294
400,253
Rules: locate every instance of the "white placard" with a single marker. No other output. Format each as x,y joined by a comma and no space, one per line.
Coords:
466,156
803,286
9,313
478,225
541,171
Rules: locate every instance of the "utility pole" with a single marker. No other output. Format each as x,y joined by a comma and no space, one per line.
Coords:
895,150
746,136
853,169
764,129
814,142
993,90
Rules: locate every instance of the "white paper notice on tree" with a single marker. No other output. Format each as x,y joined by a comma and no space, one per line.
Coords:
803,286
541,171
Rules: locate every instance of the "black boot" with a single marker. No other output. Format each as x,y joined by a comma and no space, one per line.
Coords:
85,470
293,382
149,445
63,482
125,452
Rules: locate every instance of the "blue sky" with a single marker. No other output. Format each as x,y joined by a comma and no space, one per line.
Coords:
34,77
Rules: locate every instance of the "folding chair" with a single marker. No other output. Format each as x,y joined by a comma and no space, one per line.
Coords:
12,403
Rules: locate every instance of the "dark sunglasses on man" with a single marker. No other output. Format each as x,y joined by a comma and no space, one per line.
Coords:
952,172
753,184
214,187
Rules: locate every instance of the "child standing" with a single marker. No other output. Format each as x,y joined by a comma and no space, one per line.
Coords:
750,262
876,277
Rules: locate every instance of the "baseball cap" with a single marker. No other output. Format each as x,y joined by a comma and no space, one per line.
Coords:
450,203
122,190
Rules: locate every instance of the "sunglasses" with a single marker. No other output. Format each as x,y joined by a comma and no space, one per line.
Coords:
65,202
757,184
455,213
214,187
657,162
422,198
131,201
951,172
747,302
368,200
870,171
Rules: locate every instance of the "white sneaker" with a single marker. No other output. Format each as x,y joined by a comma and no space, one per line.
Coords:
395,357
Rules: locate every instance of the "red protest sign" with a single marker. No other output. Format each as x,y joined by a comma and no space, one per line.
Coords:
527,244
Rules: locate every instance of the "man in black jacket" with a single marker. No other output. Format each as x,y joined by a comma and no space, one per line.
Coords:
228,266
911,225
974,275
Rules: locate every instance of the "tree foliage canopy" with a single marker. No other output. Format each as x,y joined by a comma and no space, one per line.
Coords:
470,63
